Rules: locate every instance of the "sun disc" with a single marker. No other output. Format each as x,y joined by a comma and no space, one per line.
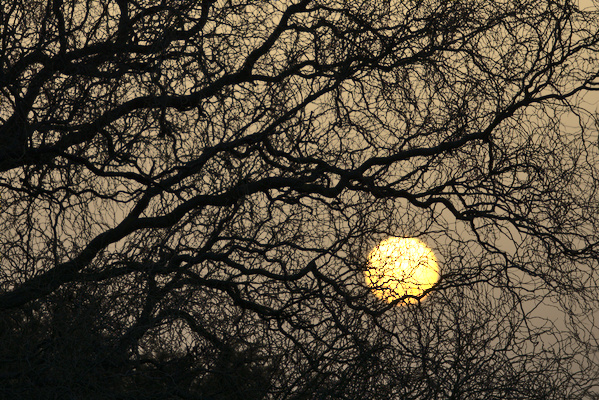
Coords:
400,267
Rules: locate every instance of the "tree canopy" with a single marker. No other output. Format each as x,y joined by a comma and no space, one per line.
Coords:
189,191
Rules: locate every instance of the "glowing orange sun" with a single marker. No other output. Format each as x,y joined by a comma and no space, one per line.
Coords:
400,267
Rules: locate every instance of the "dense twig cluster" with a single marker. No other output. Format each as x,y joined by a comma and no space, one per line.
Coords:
189,190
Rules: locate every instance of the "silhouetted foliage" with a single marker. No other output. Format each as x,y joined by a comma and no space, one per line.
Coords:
189,190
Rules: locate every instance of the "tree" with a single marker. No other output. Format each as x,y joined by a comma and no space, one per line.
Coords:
190,190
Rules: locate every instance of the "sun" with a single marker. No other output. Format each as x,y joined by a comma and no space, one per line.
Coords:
400,267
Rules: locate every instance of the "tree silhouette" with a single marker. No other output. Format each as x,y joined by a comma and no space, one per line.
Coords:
189,190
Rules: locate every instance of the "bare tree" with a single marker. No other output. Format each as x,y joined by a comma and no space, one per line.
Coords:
189,190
